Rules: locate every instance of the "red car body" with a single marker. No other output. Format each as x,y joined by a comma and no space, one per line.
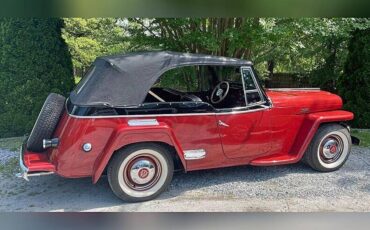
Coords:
275,135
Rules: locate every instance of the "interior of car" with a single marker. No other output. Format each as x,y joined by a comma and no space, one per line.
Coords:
220,86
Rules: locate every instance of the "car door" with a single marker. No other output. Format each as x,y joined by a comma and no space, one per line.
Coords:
246,132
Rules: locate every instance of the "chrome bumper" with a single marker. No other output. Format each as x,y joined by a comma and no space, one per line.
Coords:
24,173
24,170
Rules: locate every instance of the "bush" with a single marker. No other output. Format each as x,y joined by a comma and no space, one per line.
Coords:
354,84
34,61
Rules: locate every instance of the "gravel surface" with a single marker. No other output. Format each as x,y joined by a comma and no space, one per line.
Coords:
279,188
6,155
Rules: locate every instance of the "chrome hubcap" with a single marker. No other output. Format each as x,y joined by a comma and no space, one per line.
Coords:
142,172
331,149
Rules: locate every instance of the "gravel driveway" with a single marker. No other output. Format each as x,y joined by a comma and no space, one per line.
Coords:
279,188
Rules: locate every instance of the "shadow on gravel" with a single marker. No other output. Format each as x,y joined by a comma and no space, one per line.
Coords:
183,182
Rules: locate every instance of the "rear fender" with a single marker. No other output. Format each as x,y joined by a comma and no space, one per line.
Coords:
310,126
125,135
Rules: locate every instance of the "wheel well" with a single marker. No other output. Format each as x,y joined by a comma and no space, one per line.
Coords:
342,123
175,157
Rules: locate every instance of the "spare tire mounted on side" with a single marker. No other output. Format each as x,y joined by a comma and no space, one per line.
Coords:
46,122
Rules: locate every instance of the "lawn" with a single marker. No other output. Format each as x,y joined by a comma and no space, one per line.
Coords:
363,135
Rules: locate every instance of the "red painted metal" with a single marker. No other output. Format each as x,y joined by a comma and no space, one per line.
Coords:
270,136
36,162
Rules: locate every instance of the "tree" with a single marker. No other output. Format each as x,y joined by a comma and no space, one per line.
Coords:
354,84
34,61
281,44
90,38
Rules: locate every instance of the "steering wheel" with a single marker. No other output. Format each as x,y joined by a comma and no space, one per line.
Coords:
220,91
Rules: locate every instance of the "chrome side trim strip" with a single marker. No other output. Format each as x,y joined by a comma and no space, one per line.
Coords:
143,122
171,115
294,89
194,154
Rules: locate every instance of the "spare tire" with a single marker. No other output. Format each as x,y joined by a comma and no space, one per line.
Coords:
46,122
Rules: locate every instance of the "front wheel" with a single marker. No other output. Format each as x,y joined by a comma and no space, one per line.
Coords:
329,149
140,172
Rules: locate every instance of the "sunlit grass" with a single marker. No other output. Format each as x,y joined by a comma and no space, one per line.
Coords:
363,135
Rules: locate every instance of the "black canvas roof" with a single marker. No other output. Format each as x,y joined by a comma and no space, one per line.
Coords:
123,80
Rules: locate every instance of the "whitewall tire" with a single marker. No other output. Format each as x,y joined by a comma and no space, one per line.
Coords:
140,172
329,149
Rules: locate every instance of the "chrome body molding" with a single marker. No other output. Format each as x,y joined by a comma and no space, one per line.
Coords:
263,107
294,89
194,154
143,122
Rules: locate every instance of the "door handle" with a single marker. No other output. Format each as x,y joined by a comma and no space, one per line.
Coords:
221,123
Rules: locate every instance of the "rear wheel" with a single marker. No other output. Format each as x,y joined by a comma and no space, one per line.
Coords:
329,149
140,172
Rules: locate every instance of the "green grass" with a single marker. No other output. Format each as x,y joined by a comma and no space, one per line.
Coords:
363,135
12,143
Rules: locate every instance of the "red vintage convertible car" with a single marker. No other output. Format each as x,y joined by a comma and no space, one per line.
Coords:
139,117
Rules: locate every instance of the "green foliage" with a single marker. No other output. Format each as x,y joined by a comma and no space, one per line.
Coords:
90,38
34,61
183,79
354,85
294,45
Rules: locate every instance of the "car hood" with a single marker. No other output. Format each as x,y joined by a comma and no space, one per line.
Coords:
305,101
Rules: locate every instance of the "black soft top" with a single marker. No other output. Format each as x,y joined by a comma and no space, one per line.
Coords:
124,80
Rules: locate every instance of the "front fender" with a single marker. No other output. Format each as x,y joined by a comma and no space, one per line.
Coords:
310,126
125,135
